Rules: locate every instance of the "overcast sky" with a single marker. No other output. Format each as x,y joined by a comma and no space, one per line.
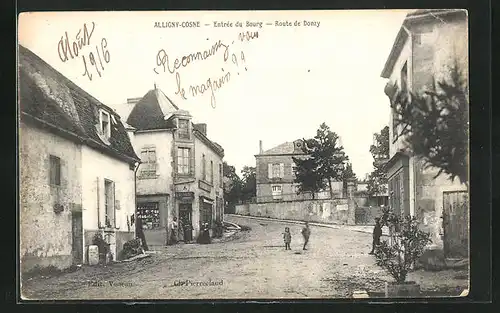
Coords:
287,82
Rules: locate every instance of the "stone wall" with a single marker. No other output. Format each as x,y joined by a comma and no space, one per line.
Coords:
365,215
46,236
321,211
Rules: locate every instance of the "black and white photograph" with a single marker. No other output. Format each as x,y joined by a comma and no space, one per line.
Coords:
196,155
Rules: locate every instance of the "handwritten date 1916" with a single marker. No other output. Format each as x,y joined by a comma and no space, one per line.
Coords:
73,49
105,55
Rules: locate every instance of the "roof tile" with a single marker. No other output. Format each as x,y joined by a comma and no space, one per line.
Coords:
51,97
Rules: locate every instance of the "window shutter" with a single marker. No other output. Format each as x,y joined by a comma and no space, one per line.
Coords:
117,198
269,170
282,170
191,162
117,212
175,163
98,193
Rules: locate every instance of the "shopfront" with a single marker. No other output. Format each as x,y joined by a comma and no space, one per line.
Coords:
185,209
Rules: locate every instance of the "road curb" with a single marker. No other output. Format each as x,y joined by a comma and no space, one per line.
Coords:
335,226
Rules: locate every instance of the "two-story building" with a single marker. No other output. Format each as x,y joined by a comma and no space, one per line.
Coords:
275,179
181,171
428,44
76,166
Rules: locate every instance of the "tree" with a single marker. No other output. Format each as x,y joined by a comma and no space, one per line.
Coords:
327,161
249,186
232,185
306,175
435,123
377,180
347,174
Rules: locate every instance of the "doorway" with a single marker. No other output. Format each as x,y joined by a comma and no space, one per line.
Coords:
185,217
77,237
456,223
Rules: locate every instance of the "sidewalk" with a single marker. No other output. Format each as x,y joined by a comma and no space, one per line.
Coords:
359,228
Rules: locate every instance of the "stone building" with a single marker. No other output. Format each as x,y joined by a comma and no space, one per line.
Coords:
427,45
275,176
76,167
181,171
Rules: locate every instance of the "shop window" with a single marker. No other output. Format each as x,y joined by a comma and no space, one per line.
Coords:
149,213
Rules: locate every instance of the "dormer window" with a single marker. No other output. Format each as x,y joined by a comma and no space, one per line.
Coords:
105,124
183,128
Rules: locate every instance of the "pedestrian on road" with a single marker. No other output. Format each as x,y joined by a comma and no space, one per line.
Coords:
377,233
306,232
288,238
140,233
174,229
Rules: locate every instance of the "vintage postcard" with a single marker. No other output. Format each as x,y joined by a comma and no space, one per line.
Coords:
243,154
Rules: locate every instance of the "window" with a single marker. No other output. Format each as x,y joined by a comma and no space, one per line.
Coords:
183,157
276,170
206,213
211,172
148,166
277,192
203,167
149,213
221,176
55,170
395,194
183,129
105,124
109,203
404,77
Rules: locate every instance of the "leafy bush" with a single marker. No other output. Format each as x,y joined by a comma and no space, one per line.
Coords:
245,228
102,246
131,248
405,246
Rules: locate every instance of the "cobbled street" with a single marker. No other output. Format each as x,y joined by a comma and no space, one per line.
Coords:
252,265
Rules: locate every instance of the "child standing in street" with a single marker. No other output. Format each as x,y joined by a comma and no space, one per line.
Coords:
306,233
287,237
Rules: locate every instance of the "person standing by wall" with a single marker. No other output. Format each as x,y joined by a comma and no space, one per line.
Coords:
173,231
306,233
140,233
377,233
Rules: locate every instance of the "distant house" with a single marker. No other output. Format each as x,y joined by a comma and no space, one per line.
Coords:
275,175
76,169
428,43
181,171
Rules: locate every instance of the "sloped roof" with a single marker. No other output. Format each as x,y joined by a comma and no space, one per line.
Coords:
419,15
430,11
50,98
150,111
284,148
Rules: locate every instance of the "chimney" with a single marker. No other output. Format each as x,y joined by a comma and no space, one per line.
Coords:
202,127
260,147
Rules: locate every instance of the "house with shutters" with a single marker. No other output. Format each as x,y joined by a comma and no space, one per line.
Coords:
428,44
275,178
181,174
76,169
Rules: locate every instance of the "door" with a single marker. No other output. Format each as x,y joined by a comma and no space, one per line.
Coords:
77,237
185,216
149,213
456,223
